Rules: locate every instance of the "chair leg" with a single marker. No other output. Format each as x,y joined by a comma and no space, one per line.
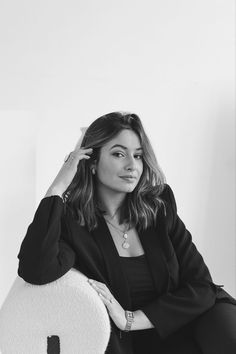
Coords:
215,330
53,345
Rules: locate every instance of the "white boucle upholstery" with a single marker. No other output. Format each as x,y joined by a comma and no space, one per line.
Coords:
68,308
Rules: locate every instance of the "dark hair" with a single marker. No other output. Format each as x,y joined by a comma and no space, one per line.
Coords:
142,204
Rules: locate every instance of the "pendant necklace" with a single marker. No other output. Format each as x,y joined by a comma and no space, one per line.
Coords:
125,244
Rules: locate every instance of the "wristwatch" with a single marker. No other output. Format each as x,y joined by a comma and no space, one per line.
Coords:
129,315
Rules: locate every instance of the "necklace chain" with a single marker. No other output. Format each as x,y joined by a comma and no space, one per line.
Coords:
125,244
117,227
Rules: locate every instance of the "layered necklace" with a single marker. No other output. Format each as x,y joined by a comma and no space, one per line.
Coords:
125,236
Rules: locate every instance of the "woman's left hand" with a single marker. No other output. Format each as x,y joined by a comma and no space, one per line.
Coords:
115,310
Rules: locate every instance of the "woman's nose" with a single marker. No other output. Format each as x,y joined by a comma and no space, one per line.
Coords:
131,163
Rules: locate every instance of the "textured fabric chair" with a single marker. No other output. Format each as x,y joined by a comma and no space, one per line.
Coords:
65,316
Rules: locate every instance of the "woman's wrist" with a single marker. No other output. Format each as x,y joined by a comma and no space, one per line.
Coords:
129,315
140,321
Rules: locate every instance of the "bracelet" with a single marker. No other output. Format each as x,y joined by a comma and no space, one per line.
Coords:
129,315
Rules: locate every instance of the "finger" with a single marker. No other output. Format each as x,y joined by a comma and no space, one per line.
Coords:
100,291
88,150
105,294
106,301
99,285
85,149
69,158
99,288
97,282
84,156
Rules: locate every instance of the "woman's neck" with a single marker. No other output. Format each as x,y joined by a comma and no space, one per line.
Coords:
111,205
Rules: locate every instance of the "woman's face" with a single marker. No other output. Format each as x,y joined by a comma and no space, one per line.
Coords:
118,161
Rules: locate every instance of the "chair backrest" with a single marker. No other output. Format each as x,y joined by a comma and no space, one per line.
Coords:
65,316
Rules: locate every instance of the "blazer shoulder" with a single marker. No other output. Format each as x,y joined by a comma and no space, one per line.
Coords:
169,205
164,190
167,195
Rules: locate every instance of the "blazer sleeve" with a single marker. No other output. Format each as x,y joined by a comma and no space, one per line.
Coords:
196,292
45,253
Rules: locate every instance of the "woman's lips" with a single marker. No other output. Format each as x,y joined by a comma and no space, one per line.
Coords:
128,179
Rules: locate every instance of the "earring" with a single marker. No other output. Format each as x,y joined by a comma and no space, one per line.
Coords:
93,171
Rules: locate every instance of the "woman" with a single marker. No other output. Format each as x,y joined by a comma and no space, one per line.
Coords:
110,214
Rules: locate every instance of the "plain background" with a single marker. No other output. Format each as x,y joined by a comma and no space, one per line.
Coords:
65,63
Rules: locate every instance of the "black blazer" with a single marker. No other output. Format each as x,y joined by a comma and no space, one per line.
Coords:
54,243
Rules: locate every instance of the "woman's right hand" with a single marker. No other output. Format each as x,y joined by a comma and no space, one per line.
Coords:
68,171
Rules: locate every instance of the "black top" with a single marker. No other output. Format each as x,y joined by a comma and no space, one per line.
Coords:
139,278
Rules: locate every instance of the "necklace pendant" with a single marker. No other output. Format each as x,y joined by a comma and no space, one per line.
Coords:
125,245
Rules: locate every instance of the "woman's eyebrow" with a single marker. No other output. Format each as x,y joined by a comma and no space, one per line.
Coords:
124,147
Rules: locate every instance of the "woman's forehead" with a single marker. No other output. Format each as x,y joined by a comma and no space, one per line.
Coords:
126,139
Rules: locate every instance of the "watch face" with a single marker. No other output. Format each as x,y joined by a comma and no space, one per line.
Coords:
130,314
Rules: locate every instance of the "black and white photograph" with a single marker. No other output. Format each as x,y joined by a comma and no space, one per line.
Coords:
118,170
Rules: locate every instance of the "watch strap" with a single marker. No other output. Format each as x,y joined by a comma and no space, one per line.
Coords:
129,315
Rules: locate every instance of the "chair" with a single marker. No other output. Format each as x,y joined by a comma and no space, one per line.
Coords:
65,316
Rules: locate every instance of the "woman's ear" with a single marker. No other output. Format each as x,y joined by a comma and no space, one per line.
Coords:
93,167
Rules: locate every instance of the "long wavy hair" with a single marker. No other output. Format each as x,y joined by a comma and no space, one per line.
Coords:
140,207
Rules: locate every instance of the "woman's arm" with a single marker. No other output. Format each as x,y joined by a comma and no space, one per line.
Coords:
45,254
196,292
141,321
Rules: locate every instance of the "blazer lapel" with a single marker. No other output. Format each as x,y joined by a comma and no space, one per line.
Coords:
115,274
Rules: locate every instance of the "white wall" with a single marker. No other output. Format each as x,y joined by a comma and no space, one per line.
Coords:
18,180
171,62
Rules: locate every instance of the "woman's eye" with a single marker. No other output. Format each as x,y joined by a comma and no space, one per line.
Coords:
119,153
